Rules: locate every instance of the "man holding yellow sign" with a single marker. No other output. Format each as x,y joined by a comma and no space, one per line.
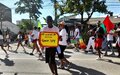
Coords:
49,39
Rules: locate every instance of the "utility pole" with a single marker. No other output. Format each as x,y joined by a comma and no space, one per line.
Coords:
1,18
55,8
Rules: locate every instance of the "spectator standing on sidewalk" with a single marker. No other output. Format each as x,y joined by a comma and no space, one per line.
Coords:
51,51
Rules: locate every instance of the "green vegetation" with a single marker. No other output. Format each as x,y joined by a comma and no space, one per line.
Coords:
29,6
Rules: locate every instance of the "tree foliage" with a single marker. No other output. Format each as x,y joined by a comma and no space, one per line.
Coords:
25,25
81,7
29,6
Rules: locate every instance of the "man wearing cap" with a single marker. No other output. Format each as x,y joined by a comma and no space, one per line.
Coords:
63,44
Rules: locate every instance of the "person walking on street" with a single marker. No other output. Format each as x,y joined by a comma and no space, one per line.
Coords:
91,42
26,39
34,41
110,36
76,37
20,40
99,39
2,42
63,44
51,51
118,40
8,39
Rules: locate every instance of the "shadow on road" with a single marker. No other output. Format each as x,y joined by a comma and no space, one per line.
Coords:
67,56
1,73
19,52
110,61
7,61
68,52
83,71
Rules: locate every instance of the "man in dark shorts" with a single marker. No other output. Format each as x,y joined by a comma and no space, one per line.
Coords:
51,51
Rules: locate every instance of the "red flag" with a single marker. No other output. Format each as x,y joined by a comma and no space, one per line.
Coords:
108,24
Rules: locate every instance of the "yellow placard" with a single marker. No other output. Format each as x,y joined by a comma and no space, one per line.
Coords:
48,39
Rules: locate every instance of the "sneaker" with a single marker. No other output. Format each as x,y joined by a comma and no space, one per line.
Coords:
15,51
24,51
76,50
118,56
94,52
40,55
98,58
86,52
31,54
61,67
69,65
105,55
113,54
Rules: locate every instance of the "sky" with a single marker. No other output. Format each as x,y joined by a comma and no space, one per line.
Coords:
113,5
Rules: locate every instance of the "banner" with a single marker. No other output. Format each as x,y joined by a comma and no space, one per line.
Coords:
103,26
82,43
48,39
39,24
108,24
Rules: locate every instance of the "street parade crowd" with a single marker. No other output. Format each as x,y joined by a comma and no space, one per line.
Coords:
99,41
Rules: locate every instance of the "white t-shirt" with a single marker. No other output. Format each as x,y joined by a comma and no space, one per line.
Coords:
75,33
118,41
53,29
110,36
64,35
35,34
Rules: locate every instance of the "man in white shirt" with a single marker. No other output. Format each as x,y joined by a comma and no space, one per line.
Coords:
34,41
51,51
77,36
110,41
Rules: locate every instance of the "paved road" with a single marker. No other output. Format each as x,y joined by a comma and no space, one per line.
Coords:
82,64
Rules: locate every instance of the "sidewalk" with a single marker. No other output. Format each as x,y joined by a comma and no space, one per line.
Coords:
82,64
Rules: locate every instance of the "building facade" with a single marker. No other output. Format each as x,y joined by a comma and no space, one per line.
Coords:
5,13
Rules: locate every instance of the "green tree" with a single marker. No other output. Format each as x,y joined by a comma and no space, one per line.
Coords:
25,25
81,7
29,6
